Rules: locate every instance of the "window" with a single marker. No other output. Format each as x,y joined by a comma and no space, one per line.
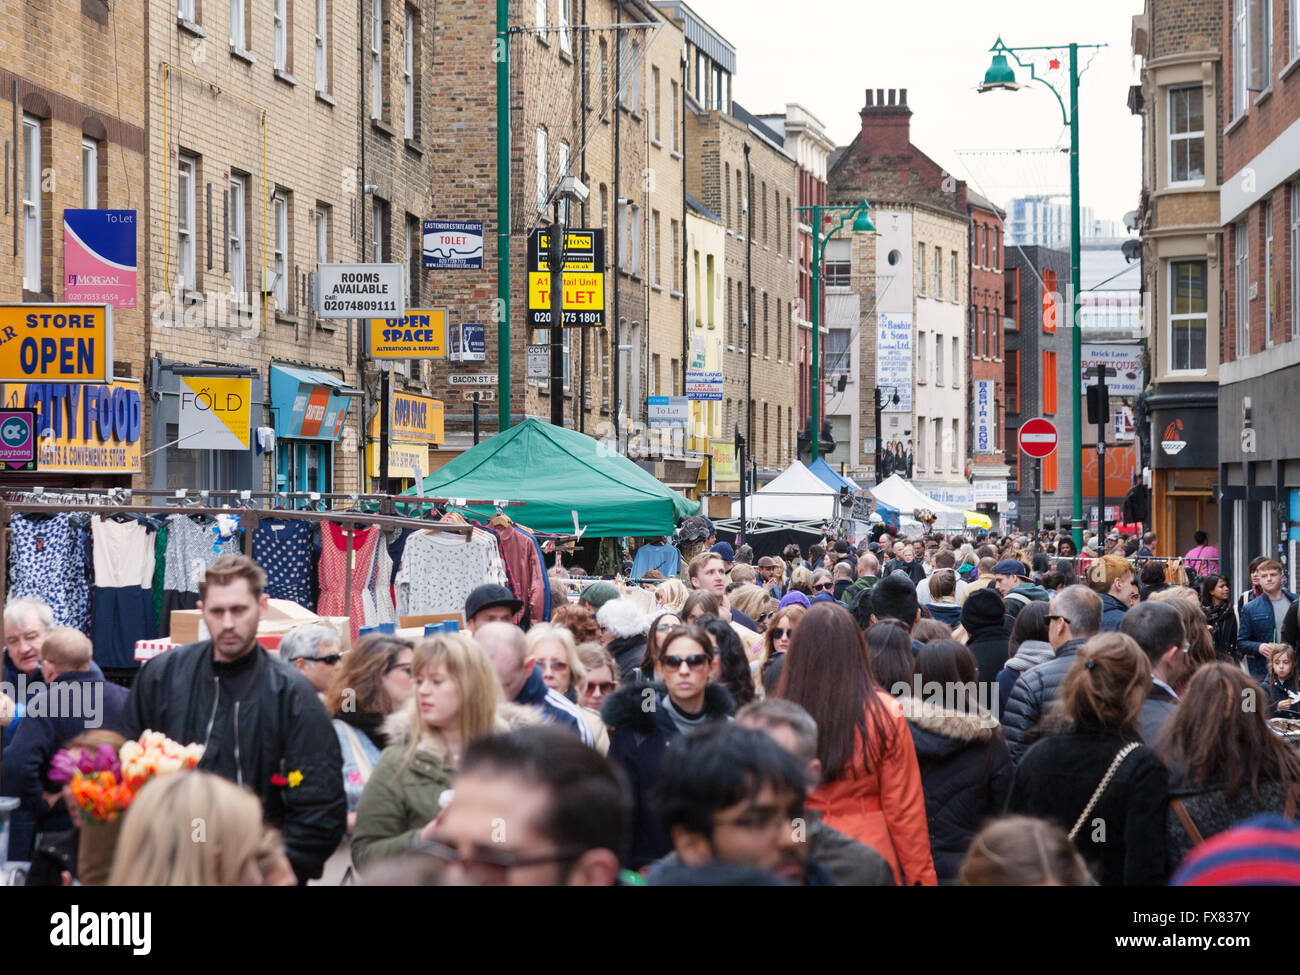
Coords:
1012,309
408,74
938,359
777,206
1013,381
696,282
997,249
280,16
838,273
920,269
1293,26
540,6
978,322
237,236
185,10
322,42
89,174
956,446
922,373
672,116
414,253
1295,249
937,440
32,276
562,19
672,227
634,243
1262,66
1268,272
563,171
654,105
322,234
981,250
186,250
710,278
1188,294
654,375
956,362
1049,383
379,249
376,59
279,260
1240,55
655,277
238,26
1240,287
634,79
603,99
920,442
1186,135
543,189
953,271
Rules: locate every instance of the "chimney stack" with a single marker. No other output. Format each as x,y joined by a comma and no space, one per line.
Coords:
886,126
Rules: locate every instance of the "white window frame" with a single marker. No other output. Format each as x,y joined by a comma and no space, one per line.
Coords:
634,78
956,362
634,243
938,359
1293,23
186,236
922,371
672,115
938,273
32,203
238,26
920,269
956,445
1268,271
1173,138
1241,288
376,59
654,104
1295,252
185,10
543,187
1240,57
655,227
540,13
952,263
322,46
89,173
408,73
237,237
280,249
322,235
1175,320
281,34
566,45
377,229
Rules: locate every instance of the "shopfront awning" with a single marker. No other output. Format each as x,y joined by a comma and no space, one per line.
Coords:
317,377
308,404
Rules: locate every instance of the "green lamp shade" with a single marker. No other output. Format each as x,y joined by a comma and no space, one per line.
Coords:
999,74
863,225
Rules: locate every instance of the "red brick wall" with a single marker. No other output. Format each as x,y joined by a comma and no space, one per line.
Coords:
987,294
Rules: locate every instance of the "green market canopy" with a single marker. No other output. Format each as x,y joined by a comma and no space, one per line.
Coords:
557,473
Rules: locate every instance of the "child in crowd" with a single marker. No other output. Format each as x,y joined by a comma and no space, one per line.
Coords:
1282,685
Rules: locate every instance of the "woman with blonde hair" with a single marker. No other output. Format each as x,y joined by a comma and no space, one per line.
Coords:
1020,851
801,580
599,681
671,594
754,602
556,653
458,699
1096,768
158,848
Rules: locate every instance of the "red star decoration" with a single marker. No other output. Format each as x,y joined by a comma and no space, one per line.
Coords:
1054,63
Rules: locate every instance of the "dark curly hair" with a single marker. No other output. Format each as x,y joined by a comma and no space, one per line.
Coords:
733,662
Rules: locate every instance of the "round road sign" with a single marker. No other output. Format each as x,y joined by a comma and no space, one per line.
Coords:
1038,437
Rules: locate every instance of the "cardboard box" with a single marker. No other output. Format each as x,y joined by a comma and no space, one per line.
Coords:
409,622
287,609
186,624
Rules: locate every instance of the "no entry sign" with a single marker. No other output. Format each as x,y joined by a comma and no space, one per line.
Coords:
1038,437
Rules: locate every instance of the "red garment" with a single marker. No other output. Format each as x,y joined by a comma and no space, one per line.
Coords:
334,572
885,807
527,574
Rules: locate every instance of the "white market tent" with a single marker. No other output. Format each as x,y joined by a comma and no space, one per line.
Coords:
900,494
794,495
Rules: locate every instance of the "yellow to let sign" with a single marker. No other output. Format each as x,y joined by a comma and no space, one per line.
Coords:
420,334
583,290
42,343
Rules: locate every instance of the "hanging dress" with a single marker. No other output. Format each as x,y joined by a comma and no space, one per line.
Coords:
334,572
282,547
48,560
123,592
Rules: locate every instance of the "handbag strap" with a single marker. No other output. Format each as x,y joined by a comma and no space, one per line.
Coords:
1122,754
1189,824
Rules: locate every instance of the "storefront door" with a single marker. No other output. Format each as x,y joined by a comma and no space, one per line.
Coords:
304,465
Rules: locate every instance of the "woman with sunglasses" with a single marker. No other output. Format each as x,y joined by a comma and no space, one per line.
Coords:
776,643
370,683
683,700
660,627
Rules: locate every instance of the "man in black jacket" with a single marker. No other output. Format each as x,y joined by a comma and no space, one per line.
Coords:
259,720
1158,630
1074,616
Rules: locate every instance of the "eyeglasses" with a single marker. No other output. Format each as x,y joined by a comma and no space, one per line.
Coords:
607,687
329,659
673,662
781,632
822,587
1053,616
406,668
490,866
665,627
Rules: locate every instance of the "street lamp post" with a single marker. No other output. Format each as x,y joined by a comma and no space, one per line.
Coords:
860,214
1001,77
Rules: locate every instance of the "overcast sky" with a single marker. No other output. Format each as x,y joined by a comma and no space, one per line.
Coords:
824,54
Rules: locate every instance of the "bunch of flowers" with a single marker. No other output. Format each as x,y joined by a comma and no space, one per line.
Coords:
104,783
925,515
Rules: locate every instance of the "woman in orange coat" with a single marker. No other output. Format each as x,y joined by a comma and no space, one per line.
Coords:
871,784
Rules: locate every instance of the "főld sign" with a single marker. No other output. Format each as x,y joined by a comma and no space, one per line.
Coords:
215,412
83,429
56,343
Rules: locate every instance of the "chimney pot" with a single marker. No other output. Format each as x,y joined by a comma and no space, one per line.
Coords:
868,98
891,97
902,96
880,96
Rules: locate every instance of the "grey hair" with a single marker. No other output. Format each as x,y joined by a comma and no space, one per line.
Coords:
623,617
776,712
305,640
17,611
1082,607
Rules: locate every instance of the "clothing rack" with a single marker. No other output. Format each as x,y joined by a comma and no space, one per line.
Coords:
249,519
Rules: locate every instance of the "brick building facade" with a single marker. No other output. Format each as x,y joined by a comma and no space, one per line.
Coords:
987,370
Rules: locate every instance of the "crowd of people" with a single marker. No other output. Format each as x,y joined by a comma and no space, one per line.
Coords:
931,710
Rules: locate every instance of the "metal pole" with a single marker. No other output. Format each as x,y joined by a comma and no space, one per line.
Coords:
739,442
476,427
555,264
815,366
503,214
385,394
1076,341
1103,408
880,409
1038,495
749,309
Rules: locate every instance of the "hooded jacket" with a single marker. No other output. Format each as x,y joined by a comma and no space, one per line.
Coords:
1112,613
883,806
273,725
637,741
401,797
851,593
965,772
1024,594
1031,653
949,613
1031,695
